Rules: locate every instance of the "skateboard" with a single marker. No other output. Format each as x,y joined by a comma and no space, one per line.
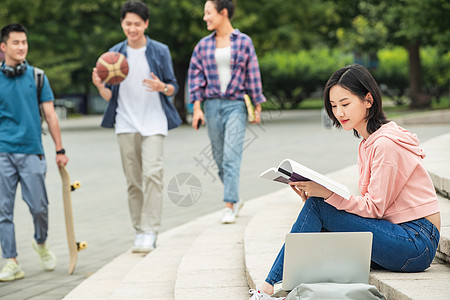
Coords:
74,246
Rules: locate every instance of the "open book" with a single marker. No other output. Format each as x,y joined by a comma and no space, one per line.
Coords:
291,171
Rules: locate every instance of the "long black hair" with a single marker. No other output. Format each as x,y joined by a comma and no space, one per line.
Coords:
357,80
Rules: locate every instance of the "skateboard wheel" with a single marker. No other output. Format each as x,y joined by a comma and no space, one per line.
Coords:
75,185
81,245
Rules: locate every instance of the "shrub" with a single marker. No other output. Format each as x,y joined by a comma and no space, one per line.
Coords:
436,72
289,78
292,77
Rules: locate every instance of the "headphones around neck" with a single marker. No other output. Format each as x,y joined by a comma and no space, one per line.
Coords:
11,71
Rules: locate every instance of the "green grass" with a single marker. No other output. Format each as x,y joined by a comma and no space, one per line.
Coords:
398,110
444,102
313,103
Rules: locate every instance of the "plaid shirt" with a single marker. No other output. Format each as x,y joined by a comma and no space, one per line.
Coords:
245,77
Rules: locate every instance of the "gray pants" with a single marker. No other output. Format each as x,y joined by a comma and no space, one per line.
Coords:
29,170
142,162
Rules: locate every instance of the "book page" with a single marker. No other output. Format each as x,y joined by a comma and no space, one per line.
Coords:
301,171
292,171
273,174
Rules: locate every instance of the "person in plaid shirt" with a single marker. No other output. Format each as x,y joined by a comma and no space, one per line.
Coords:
223,68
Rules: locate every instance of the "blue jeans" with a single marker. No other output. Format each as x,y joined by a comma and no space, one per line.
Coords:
29,170
226,120
405,247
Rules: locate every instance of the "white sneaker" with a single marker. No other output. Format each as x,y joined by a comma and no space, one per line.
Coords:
237,207
137,243
11,271
260,295
47,260
148,242
228,216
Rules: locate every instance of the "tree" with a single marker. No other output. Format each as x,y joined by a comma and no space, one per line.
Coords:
272,24
421,23
178,24
407,23
288,25
66,37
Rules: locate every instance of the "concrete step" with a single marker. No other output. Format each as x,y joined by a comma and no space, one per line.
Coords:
444,243
264,234
154,277
204,259
200,258
135,276
214,265
273,224
438,166
433,283
102,283
437,162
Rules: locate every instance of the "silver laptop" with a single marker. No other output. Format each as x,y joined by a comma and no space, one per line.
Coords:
340,257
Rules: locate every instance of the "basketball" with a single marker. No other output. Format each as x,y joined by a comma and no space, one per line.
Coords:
112,67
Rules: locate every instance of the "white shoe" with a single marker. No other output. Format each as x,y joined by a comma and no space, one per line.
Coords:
137,243
228,216
260,295
11,271
237,207
148,242
47,260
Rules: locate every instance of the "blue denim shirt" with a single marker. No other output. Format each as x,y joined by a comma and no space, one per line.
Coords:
160,62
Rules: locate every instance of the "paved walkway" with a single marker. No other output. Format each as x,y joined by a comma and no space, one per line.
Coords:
100,208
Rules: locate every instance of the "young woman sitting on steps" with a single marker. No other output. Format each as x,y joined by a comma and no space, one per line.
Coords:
398,202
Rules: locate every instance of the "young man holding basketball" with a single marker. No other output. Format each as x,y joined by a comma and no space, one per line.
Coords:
142,115
22,156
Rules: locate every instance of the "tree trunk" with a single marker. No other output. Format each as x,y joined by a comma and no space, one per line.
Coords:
418,100
180,70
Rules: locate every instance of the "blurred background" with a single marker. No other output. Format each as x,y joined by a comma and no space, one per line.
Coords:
299,43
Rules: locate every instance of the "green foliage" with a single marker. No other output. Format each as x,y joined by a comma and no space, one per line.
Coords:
407,23
291,77
364,36
287,25
393,71
392,74
66,37
178,24
436,75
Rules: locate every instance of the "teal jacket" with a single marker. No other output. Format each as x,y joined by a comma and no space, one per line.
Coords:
160,62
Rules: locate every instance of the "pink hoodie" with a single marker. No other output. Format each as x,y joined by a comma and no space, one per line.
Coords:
392,178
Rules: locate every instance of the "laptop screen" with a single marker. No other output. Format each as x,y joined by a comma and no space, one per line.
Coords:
340,257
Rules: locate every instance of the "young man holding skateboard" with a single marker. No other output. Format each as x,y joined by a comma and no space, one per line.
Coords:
142,115
22,156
